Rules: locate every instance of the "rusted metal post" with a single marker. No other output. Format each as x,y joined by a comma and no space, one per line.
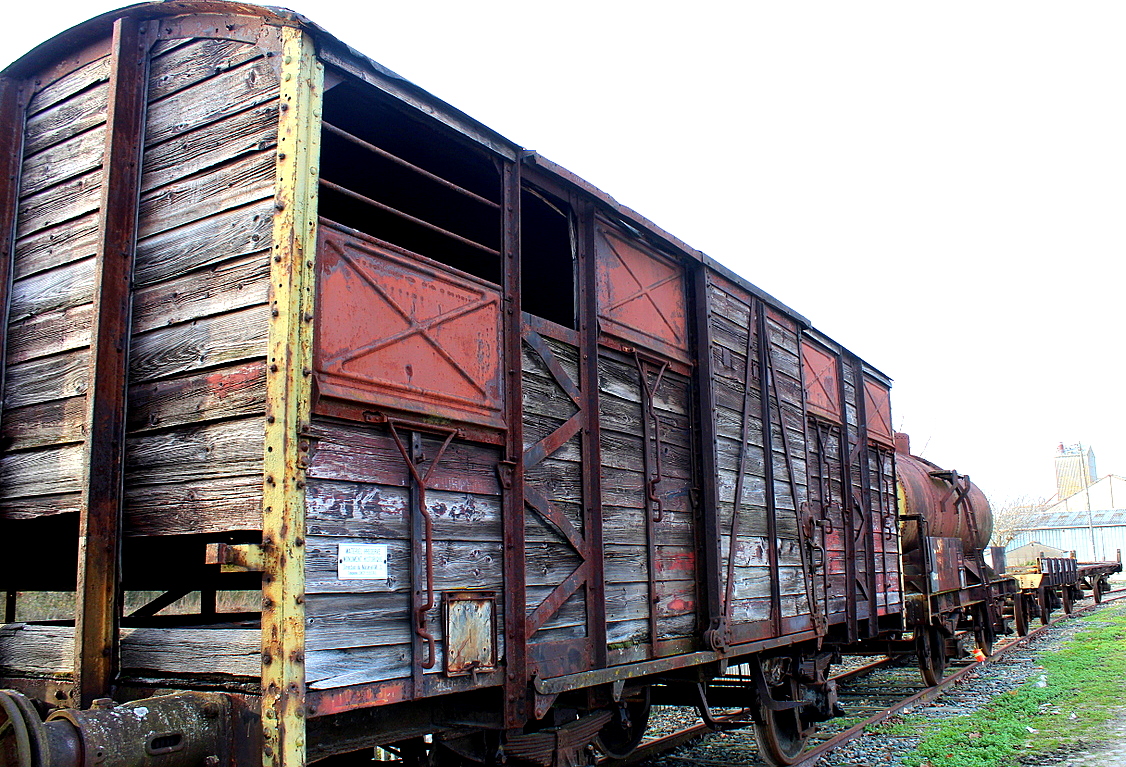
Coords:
851,628
765,373
867,534
98,595
288,403
709,501
12,115
516,709
591,443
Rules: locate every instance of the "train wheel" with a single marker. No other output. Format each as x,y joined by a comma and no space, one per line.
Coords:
780,734
931,649
1045,606
1068,604
983,629
623,733
1100,587
1020,614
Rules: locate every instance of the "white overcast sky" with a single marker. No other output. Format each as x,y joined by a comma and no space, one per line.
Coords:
938,186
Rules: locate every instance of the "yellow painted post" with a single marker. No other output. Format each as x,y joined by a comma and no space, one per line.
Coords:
289,367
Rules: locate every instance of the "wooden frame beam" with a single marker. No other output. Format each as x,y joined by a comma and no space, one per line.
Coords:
98,597
289,366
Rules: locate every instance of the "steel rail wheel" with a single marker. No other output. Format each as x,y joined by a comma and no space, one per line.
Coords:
780,735
622,734
930,646
1020,614
983,629
1045,605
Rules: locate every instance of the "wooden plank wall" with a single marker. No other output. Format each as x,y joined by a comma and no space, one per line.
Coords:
197,362
826,448
731,321
359,631
624,508
197,378
559,477
179,653
52,291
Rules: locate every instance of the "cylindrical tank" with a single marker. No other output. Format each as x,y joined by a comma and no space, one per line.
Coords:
952,506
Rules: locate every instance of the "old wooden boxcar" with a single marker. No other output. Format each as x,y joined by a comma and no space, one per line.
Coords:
501,460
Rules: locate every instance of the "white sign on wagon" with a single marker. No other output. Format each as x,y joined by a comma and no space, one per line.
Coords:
361,561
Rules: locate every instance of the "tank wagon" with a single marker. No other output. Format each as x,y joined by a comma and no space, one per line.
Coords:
502,462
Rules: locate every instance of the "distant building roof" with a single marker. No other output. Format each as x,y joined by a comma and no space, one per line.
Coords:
1066,518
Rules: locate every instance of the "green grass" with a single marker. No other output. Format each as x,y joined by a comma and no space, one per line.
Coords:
1085,678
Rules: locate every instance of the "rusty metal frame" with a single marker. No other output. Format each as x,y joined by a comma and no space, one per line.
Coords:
589,331
421,514
852,629
708,540
98,595
13,108
819,621
737,498
288,402
862,451
765,374
516,706
654,474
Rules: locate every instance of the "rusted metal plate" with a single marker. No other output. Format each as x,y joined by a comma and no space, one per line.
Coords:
406,333
877,408
471,632
946,563
819,371
641,295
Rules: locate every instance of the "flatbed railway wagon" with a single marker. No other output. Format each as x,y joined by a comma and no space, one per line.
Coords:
499,462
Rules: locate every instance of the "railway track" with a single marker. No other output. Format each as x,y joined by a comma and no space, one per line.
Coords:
869,694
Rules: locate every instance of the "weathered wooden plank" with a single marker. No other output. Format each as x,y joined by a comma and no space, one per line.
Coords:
337,621
325,669
619,415
352,509
194,507
72,241
60,203
209,451
68,85
76,114
27,649
207,342
47,423
627,526
173,70
369,454
40,506
230,235
46,471
538,427
254,130
41,335
211,100
41,380
74,157
224,287
544,398
237,184
210,395
625,451
457,565
626,563
624,381
63,288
